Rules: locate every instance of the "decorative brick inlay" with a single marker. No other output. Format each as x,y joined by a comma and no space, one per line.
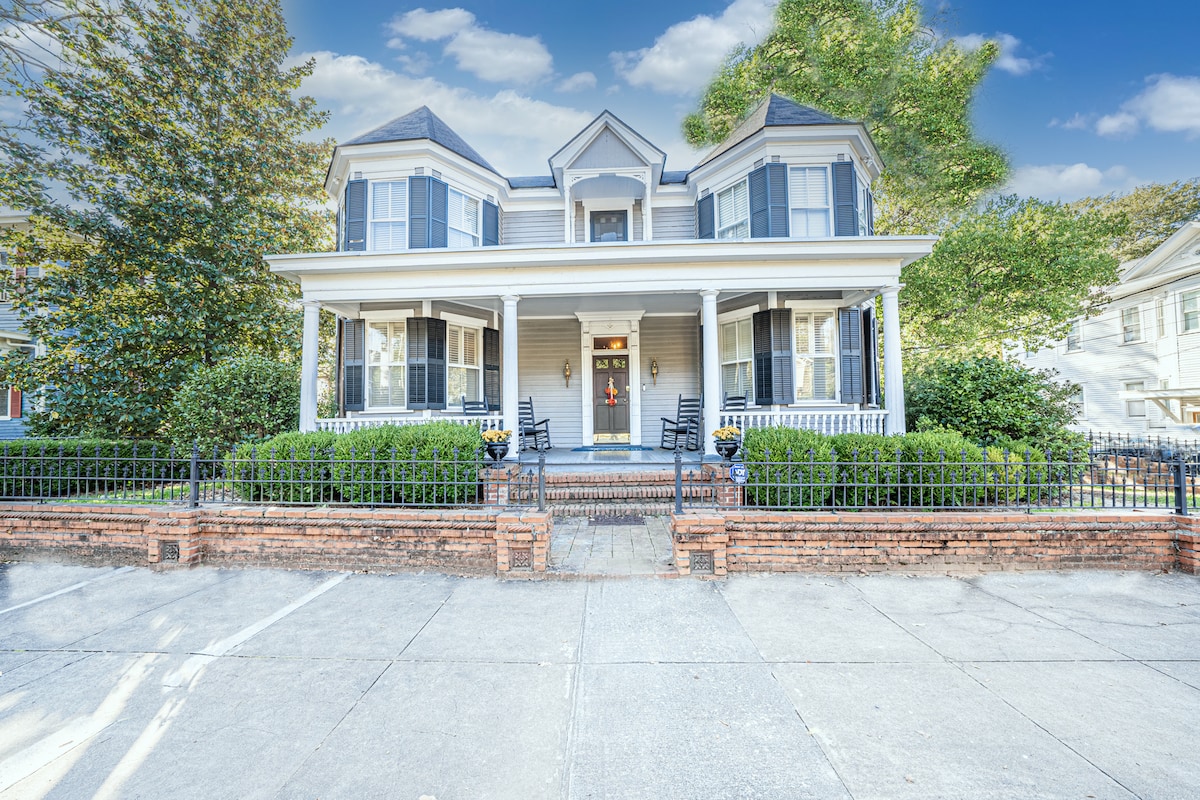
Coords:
521,557
702,562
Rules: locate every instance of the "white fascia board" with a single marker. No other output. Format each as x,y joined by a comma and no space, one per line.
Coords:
407,155
643,147
1149,284
1180,240
759,145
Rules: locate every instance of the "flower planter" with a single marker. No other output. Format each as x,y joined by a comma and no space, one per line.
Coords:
496,451
726,448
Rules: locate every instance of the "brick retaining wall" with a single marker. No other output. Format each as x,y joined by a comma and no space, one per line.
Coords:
474,541
748,541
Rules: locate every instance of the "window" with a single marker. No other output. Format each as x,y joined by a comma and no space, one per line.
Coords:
389,215
385,364
462,363
1189,309
1160,318
463,220
863,193
733,212
816,375
1075,337
1131,325
808,189
1080,402
1135,408
609,226
737,353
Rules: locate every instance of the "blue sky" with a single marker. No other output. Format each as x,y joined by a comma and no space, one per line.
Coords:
1088,97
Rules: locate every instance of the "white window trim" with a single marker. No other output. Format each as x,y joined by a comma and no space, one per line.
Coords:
601,206
1141,328
1183,330
478,234
828,207
717,226
734,317
818,305
395,317
1142,387
1078,326
369,236
466,323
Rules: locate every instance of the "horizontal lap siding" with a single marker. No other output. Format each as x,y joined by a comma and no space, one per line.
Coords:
674,223
638,234
533,227
543,346
674,343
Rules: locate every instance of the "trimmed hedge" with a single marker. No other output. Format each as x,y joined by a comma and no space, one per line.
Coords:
431,464
60,467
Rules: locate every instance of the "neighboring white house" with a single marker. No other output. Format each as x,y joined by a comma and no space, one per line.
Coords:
755,273
13,336
1138,362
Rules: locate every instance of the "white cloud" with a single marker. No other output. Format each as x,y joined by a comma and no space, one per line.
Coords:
1067,182
1170,103
1008,61
685,56
512,131
1121,124
1079,122
486,54
578,82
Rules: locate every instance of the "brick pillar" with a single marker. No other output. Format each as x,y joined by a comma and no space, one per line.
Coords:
1187,544
497,482
174,528
726,493
520,537
700,535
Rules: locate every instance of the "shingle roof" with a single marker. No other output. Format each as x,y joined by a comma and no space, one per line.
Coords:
422,124
676,176
773,112
532,182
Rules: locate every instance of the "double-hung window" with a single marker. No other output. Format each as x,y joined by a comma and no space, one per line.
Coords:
389,215
863,208
816,372
462,363
385,365
1189,310
1131,325
733,212
737,353
1075,337
808,191
462,220
1135,407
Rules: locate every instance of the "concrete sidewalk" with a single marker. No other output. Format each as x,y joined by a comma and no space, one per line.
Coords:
208,684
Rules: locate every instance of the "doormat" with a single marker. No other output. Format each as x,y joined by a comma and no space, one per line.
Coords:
617,519
600,448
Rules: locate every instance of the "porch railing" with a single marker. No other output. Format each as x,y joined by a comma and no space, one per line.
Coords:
827,422
345,425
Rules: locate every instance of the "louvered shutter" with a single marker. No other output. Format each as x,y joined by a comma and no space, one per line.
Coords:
14,402
773,373
491,367
491,224
845,199
870,214
417,332
355,215
435,350
418,212
439,201
870,357
768,201
706,218
851,354
354,335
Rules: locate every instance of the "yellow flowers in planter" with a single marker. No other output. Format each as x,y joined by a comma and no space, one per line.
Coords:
492,436
726,434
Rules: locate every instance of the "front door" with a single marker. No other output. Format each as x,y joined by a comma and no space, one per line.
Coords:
610,397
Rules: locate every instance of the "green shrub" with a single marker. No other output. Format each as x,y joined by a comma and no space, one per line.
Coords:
243,399
788,468
432,464
941,468
61,467
290,467
867,469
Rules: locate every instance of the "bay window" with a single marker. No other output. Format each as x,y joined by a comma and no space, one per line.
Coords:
462,220
808,191
389,215
733,212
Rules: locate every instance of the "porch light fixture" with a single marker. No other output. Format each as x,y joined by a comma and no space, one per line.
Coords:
567,371
654,370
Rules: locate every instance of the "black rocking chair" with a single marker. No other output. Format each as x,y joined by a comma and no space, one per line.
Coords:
532,434
684,428
474,407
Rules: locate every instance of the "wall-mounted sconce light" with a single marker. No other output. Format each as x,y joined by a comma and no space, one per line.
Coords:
654,370
567,372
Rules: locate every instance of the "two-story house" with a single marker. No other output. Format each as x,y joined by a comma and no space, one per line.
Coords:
755,274
1137,363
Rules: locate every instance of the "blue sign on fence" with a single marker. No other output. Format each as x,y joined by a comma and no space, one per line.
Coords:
738,473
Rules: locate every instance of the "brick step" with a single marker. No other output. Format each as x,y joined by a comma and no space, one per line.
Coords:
584,509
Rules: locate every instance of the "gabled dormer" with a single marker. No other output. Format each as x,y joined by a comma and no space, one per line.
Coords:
608,173
787,171
413,183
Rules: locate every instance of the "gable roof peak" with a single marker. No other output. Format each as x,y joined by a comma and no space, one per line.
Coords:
421,123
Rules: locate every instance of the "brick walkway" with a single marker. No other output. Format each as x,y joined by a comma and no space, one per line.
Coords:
611,546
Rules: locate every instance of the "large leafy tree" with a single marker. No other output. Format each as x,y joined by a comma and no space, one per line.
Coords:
160,156
1147,216
872,61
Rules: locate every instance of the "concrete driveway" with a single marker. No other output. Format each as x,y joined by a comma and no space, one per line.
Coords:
210,683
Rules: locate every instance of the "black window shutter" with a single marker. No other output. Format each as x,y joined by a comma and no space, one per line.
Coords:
870,358
418,211
416,331
439,212
773,376
353,358
845,199
706,225
768,201
870,214
356,215
435,350
491,368
851,353
491,224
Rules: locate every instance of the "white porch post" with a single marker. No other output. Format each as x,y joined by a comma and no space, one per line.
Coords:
893,371
510,388
308,366
712,370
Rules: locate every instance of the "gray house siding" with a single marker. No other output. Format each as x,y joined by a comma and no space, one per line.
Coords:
674,343
607,151
674,223
637,234
15,428
543,346
533,227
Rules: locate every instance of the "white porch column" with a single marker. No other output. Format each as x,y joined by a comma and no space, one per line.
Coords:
712,370
509,386
893,371
308,366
